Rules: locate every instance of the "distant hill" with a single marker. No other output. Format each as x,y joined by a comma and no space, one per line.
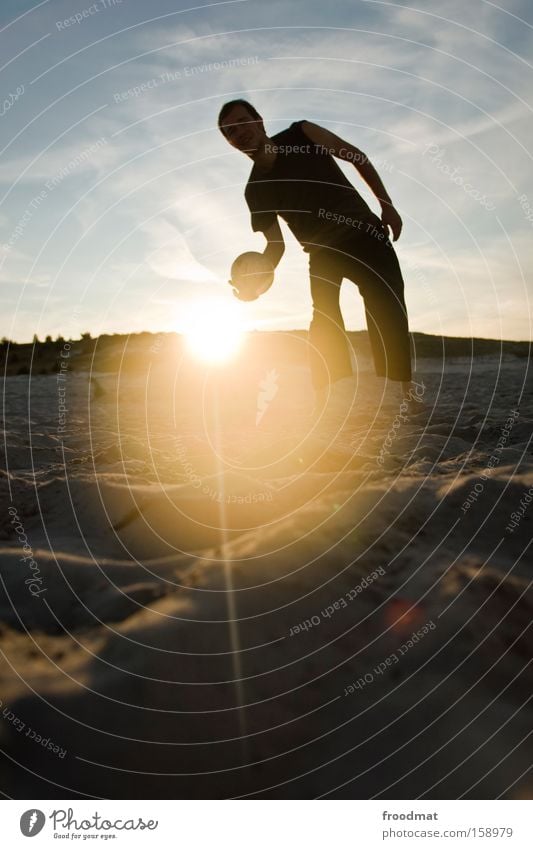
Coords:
138,351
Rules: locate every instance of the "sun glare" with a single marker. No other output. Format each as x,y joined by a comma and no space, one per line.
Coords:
214,330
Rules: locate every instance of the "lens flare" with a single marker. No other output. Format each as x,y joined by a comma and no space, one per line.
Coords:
214,330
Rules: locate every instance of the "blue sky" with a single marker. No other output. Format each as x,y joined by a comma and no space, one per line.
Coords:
121,203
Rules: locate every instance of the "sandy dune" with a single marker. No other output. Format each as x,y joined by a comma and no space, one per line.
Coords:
156,501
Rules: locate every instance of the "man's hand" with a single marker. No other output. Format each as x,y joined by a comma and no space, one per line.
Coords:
390,218
242,296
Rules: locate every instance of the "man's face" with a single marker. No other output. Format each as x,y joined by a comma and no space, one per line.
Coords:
243,131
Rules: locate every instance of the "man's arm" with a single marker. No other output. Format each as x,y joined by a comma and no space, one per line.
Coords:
345,150
275,245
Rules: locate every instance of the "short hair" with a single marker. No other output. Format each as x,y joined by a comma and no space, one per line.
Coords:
229,105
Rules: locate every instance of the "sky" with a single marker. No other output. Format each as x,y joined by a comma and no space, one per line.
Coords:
121,204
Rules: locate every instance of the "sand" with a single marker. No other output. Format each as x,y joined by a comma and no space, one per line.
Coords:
209,592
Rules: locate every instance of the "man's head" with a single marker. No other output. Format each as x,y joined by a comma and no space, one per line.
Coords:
242,126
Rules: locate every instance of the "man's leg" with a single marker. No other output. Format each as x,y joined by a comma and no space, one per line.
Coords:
376,271
388,330
329,349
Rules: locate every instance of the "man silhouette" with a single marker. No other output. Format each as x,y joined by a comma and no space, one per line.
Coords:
295,176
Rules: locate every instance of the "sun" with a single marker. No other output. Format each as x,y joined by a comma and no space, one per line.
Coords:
214,330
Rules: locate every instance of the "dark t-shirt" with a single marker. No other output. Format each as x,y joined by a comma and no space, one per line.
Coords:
306,188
